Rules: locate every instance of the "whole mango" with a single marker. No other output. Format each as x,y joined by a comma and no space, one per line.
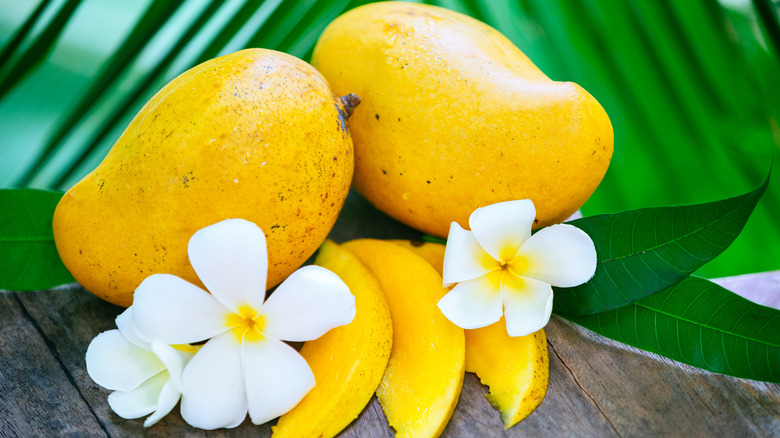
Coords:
256,134
455,117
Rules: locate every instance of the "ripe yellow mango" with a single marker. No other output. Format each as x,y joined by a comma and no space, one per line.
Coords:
348,362
256,135
455,117
424,376
515,369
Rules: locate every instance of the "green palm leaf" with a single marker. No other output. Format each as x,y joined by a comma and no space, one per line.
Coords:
689,86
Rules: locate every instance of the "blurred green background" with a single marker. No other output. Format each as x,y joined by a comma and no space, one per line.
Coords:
692,86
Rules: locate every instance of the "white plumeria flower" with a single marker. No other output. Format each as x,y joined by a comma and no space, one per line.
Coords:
245,366
145,377
501,268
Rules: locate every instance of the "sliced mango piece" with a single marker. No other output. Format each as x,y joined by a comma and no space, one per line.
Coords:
424,376
516,369
433,253
348,362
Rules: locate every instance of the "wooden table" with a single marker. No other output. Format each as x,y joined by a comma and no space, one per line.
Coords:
597,387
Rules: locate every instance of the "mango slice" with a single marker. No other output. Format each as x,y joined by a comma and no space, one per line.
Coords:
516,369
424,376
348,362
433,253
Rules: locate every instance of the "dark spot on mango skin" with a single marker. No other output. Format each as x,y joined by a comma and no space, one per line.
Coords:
377,116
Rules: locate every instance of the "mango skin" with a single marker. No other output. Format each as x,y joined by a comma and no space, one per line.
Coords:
256,134
455,117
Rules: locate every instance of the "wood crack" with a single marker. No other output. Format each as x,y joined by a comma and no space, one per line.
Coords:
53,350
552,347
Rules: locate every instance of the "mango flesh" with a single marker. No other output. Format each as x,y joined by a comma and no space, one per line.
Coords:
515,369
424,376
256,134
348,362
455,117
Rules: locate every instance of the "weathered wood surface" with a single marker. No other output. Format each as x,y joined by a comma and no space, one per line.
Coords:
597,387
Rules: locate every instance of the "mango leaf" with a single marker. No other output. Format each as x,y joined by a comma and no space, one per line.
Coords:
28,257
641,252
699,323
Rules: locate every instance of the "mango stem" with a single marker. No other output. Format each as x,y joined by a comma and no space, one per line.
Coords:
350,102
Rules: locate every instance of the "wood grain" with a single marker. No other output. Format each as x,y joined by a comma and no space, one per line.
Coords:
598,387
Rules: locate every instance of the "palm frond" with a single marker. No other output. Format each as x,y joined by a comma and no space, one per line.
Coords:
690,86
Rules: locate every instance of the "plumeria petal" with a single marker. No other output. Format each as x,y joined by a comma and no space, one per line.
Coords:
561,255
502,228
474,303
310,302
527,304
230,259
277,378
464,258
115,363
173,311
126,326
213,393
173,359
166,401
140,401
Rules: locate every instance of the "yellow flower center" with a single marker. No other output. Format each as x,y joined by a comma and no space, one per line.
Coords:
516,265
247,324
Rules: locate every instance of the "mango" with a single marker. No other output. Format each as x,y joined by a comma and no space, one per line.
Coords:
455,117
515,369
256,135
348,362
424,376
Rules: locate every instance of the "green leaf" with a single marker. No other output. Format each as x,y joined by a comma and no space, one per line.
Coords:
28,257
151,22
22,33
433,239
39,49
699,323
131,97
641,252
